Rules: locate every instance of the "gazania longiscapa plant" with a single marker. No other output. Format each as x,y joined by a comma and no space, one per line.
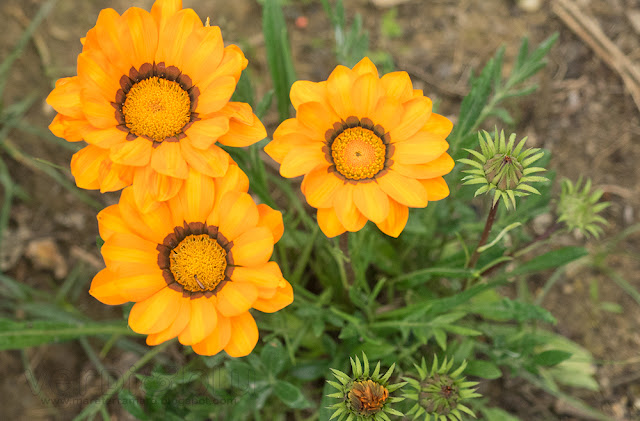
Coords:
440,394
364,395
503,167
369,148
579,209
151,98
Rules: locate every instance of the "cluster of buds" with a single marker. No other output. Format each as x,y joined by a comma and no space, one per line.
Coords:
439,393
503,167
364,396
579,209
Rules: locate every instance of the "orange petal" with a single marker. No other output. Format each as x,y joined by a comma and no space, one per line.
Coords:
168,160
365,66
340,84
253,248
65,97
282,298
194,201
153,226
404,190
415,114
232,64
397,219
238,213
135,152
320,187
244,335
106,138
216,95
234,179
203,320
436,188
265,276
127,247
96,79
212,161
369,91
317,118
70,129
156,313
150,187
115,40
241,134
438,125
110,221
420,148
144,35
388,113
104,289
174,35
217,340
329,222
239,111
141,286
115,177
236,298
86,164
280,146
438,167
203,51
204,133
178,325
99,112
398,85
305,91
271,219
162,10
348,214
302,159
371,201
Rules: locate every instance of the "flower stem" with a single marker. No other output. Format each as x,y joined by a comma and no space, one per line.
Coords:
485,234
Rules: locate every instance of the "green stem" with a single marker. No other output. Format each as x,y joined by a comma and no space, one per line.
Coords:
96,406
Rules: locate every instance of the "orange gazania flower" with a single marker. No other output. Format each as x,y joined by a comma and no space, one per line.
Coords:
151,98
194,265
369,148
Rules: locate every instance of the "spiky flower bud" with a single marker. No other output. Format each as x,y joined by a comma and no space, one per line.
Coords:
579,209
439,394
364,396
503,167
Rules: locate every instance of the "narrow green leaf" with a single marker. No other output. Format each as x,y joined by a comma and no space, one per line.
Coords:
552,259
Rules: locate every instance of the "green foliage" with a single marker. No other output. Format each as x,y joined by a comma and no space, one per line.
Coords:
351,42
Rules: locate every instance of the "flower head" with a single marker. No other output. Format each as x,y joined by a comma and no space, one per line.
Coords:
151,99
194,265
364,396
369,148
579,209
503,167
439,394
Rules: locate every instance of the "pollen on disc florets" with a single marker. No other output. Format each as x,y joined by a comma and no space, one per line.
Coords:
198,263
156,108
358,153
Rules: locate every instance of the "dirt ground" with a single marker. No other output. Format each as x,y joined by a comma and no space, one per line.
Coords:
583,113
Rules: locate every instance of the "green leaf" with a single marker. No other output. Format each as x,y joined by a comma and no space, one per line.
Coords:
19,335
552,259
497,414
508,309
483,369
130,403
278,54
552,357
290,395
274,357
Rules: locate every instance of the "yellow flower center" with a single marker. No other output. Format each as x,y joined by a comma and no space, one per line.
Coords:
156,108
358,153
198,263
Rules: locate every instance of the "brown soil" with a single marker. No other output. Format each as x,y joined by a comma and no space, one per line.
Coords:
582,113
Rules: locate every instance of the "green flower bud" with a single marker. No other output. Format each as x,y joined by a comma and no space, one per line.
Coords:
503,167
364,396
440,393
579,209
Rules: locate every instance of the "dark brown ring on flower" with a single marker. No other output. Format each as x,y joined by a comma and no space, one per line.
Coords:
172,241
146,71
